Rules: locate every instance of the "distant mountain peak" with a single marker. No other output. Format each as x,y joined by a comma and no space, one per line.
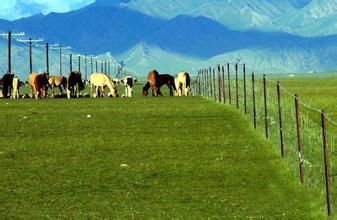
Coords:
111,2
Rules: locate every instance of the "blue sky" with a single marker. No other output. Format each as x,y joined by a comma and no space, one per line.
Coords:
14,9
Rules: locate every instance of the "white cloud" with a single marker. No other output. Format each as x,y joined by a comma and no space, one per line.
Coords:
14,9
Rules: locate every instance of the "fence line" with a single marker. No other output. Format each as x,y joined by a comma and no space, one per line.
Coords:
304,134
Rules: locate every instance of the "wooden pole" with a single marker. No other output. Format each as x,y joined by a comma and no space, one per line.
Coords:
210,82
299,138
254,101
280,117
244,88
71,62
96,66
60,61
265,106
326,163
223,85
219,84
203,82
229,85
30,55
79,63
10,52
92,64
237,85
214,90
86,67
47,57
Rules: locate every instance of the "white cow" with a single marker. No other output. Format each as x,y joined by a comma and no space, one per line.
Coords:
16,85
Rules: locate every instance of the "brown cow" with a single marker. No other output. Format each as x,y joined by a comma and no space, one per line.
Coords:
38,84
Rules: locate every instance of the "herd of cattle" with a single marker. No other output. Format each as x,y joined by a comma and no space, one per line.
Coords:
72,85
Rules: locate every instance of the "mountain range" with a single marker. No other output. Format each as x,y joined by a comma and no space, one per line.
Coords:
170,35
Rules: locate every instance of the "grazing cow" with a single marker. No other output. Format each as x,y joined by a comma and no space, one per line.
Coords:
183,84
128,83
7,83
102,80
75,84
16,85
38,84
57,81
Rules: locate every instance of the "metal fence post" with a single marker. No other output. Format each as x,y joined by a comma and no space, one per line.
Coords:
265,106
299,138
219,84
254,101
326,163
223,85
280,117
237,85
229,85
244,88
214,90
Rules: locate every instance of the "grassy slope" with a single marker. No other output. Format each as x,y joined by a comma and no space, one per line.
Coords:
187,158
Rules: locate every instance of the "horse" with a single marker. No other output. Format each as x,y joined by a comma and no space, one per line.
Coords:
183,83
57,81
128,83
166,79
75,84
7,84
101,80
38,84
153,82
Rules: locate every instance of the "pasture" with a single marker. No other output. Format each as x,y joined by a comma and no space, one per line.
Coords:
166,157
320,92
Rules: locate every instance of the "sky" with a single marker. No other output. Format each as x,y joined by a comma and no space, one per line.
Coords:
15,9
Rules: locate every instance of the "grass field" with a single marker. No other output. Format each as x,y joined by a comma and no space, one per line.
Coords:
319,92
181,158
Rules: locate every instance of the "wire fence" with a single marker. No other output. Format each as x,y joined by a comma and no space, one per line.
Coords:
304,135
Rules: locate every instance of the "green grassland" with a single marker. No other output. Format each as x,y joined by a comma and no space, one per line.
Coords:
169,157
320,92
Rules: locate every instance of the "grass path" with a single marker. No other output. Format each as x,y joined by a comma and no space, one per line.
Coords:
187,158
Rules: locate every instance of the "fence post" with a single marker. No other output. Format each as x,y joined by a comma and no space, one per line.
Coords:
299,138
229,85
223,84
254,100
326,162
237,85
280,117
201,81
210,82
206,83
265,105
245,88
219,83
214,89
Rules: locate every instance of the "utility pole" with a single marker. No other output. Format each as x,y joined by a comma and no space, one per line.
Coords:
86,67
91,64
71,62
30,43
8,36
60,48
79,63
47,53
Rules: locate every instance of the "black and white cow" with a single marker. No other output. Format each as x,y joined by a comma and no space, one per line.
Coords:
128,83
